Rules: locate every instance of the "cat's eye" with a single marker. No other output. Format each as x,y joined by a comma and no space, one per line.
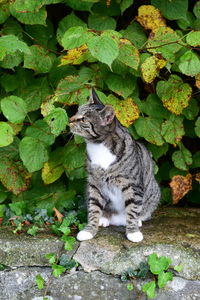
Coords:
83,119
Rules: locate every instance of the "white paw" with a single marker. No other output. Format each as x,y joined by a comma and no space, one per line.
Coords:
135,237
139,223
104,222
84,235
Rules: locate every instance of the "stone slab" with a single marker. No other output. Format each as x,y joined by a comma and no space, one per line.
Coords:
20,285
173,232
18,250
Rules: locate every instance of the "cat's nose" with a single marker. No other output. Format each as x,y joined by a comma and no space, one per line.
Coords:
72,119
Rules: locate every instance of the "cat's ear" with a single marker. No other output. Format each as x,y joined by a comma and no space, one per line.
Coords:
94,99
107,115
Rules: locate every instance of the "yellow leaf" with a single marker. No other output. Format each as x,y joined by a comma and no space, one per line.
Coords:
180,186
197,83
108,3
151,67
16,127
75,56
47,106
150,17
51,172
197,177
126,110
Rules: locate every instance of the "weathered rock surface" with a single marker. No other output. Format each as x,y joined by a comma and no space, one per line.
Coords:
173,232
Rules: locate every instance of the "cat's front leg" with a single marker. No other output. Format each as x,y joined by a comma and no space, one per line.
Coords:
96,203
133,207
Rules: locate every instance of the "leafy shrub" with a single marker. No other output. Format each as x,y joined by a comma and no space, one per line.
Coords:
142,59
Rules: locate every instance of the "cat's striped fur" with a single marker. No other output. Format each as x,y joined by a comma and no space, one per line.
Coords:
122,189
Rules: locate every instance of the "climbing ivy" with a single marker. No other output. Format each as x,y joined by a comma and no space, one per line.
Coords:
142,57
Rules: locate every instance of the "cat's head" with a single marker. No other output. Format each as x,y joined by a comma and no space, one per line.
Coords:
94,120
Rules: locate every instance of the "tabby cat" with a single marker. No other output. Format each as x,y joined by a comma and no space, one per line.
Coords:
121,189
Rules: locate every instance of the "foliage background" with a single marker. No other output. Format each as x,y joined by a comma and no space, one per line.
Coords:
141,56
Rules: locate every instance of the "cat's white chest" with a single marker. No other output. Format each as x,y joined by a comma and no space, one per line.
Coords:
100,155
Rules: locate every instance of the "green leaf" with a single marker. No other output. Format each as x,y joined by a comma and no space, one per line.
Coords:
52,257
9,82
6,134
172,10
31,5
103,48
98,22
12,27
158,151
39,281
163,278
2,209
164,41
135,33
32,91
79,5
173,130
197,127
57,120
149,289
74,37
125,4
33,153
69,243
193,38
182,158
150,129
153,107
42,34
189,63
66,23
158,264
196,9
178,268
102,9
30,17
9,44
64,229
74,157
12,60
18,209
67,262
187,22
38,60
33,230
129,286
174,94
40,130
128,54
4,13
14,109
58,270
123,86
192,110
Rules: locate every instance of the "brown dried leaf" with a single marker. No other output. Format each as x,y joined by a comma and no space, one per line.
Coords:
58,215
180,186
150,17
